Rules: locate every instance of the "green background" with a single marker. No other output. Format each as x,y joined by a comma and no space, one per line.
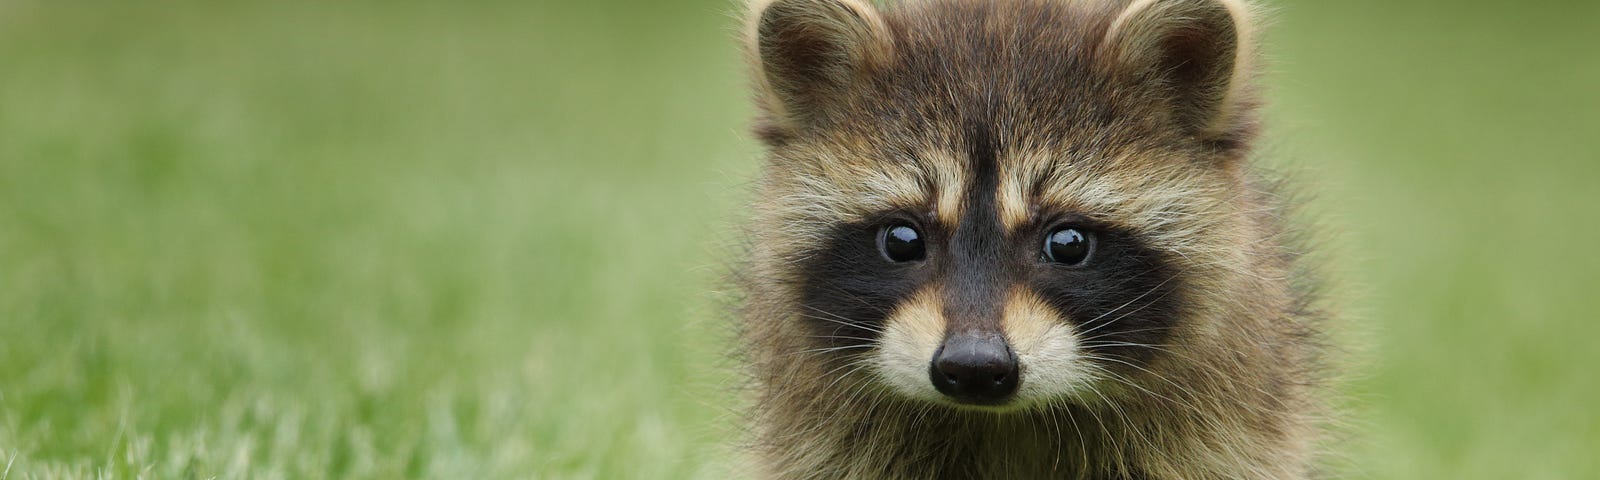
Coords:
302,239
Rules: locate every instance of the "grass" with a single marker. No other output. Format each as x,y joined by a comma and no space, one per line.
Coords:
380,239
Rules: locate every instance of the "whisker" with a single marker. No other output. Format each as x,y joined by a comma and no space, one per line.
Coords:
1130,302
842,337
835,349
840,319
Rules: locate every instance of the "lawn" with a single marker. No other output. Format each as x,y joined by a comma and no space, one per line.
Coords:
378,239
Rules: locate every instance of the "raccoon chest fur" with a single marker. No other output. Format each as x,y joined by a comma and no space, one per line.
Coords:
1019,239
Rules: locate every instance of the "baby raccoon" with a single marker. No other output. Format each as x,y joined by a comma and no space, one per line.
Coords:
1019,239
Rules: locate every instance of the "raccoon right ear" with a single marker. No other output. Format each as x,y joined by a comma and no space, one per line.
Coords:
1195,53
806,53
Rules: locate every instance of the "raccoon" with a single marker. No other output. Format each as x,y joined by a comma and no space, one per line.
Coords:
1020,239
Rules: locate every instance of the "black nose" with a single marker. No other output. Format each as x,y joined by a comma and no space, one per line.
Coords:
975,369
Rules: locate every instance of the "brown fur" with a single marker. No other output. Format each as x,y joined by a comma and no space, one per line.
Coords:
865,110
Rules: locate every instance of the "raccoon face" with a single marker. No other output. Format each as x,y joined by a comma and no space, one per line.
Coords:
997,207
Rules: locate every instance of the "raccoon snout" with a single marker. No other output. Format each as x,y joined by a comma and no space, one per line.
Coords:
975,369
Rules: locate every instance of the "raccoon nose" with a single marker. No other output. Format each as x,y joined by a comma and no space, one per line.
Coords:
975,369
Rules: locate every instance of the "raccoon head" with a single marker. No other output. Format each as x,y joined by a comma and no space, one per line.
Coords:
999,205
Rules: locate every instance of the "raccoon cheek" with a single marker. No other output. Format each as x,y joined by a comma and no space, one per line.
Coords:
1049,349
911,335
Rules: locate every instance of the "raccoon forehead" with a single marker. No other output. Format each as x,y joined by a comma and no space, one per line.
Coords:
842,183
1141,190
1168,198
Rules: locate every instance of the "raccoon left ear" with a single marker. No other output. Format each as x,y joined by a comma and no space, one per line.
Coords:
1195,53
806,53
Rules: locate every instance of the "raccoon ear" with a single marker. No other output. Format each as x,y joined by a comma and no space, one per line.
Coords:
1194,53
806,52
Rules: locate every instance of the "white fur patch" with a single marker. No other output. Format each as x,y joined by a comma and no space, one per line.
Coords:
1048,350
910,336
1047,347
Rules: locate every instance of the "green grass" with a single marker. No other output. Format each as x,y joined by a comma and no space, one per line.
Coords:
305,239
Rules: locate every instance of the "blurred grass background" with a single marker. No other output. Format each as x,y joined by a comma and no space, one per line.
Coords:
301,239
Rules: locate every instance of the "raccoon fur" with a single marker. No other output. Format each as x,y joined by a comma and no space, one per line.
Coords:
1019,239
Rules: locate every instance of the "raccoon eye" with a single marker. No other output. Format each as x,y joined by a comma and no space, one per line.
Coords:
901,243
1068,246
